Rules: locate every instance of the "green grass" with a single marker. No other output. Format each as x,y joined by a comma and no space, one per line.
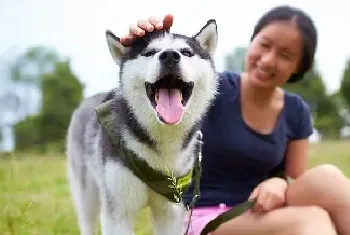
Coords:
34,196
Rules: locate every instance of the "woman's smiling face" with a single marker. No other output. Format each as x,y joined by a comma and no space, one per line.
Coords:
274,54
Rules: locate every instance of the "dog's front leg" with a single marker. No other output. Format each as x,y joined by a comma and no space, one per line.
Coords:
167,217
113,222
123,197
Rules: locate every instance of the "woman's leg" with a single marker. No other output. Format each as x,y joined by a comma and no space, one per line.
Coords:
317,203
303,220
324,186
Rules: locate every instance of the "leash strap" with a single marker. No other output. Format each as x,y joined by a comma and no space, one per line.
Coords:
197,172
234,211
228,215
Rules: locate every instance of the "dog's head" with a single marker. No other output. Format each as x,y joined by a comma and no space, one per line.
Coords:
167,78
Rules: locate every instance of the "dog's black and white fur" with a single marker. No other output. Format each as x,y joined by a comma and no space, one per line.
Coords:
167,83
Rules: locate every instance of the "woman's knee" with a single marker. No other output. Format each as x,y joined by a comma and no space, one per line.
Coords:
323,173
321,186
312,220
326,170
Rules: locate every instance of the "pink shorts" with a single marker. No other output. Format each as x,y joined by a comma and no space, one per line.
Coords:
202,216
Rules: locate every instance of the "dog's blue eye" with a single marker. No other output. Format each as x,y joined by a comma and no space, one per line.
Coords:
187,53
149,53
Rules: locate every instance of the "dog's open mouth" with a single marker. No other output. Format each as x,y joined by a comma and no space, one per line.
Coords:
169,96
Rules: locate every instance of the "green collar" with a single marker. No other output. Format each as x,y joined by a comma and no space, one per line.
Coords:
163,183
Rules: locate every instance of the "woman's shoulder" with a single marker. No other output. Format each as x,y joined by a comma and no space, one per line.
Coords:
229,76
298,115
228,80
295,102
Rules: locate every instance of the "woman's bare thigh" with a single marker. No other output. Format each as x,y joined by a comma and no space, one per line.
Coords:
284,221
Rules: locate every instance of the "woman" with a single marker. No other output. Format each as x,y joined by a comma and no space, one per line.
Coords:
255,128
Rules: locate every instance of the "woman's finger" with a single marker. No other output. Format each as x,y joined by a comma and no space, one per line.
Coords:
168,21
145,25
156,22
254,194
262,196
134,30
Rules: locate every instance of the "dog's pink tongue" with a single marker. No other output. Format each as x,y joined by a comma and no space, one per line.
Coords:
169,105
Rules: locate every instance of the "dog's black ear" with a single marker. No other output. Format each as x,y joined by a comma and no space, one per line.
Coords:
208,37
116,48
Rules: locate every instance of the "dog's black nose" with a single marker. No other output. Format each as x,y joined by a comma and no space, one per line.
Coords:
169,58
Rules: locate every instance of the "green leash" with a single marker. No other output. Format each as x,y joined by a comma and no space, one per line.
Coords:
234,211
196,175
228,215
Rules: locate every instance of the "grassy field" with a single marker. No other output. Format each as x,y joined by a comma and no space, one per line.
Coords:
34,196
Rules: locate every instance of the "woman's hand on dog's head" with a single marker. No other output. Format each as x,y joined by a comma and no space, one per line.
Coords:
138,29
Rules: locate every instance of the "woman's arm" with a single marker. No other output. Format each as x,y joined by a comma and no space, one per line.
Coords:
296,158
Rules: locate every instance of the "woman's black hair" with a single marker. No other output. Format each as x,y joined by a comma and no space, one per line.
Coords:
306,27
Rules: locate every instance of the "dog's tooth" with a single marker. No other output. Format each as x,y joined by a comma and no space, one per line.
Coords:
157,97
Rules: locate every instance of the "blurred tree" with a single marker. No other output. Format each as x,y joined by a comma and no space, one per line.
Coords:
60,92
343,96
27,134
23,78
345,84
328,119
311,88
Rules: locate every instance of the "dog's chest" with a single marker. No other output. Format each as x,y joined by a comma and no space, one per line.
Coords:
169,153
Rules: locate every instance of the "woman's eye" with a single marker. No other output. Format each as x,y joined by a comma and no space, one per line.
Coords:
285,56
263,44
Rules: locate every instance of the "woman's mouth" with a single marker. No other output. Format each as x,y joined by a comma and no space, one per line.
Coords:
263,74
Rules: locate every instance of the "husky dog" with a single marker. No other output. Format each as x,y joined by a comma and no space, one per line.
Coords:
167,83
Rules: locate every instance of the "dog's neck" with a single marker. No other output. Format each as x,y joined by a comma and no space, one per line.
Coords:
172,149
161,146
